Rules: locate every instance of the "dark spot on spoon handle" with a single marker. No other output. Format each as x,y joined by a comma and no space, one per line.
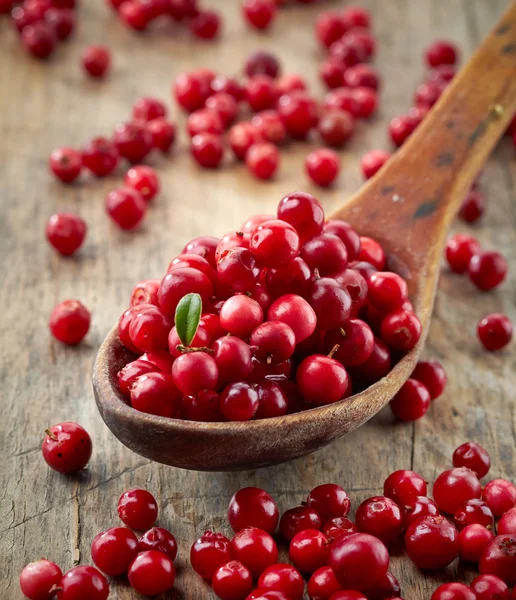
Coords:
425,209
444,159
503,29
509,49
477,133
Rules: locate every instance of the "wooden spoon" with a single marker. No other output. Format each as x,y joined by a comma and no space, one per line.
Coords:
408,206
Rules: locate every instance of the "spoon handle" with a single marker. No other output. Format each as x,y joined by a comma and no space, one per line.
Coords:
409,205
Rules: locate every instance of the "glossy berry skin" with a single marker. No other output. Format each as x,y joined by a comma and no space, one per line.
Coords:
148,109
261,93
459,251
180,282
421,506
490,587
433,376
155,394
204,120
96,61
371,252
237,269
381,517
321,380
269,127
304,212
347,234
336,127
284,578
191,91
322,166
204,407
66,164
261,594
323,584
342,98
298,519
295,312
387,291
262,62
472,207
39,39
62,20
66,232
404,486
70,322
224,105
195,371
162,134
38,578
401,128
432,542
348,595
401,330
232,581
114,550
158,539
272,400
240,315
241,137
233,357
330,27
371,162
259,13
474,457
473,540
132,141
135,15
274,243
138,509
329,501
473,511
308,550
100,156
359,561
210,552
253,507
205,25
327,253
441,53
126,207
377,365
387,587
411,402
331,303
495,331
143,179
332,72
255,549
507,523
455,486
453,591
299,113
83,583
263,160
273,341
239,402
152,573
487,270
337,527
499,558
500,496
207,150
149,329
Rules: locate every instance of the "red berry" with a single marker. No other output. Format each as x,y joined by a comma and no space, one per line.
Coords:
362,75
191,90
299,112
159,539
224,105
232,581
155,394
210,552
404,487
259,13
274,243
233,358
39,579
195,371
261,93
455,486
178,283
499,558
387,587
342,98
373,161
272,400
356,16
348,52
205,120
329,501
134,14
298,519
239,402
204,246
421,506
100,156
473,540
295,312
381,517
323,584
132,141
269,127
162,133
66,232
66,164
401,128
304,212
459,251
308,550
293,278
273,341
500,496
431,542
490,587
241,137
262,62
207,149
411,402
330,27
83,583
255,549
252,507
347,234
473,511
433,376
441,53
367,102
401,330
96,61
144,180
474,457
427,93
363,40
359,560
126,207
487,269
322,166
332,72
453,591
205,25
149,329
472,207
70,322
114,550
507,523
387,291
321,380
495,331
338,526
39,39
148,109
336,127
349,595
152,573
205,406
283,578
138,509
377,365
263,160
371,252
327,253
240,315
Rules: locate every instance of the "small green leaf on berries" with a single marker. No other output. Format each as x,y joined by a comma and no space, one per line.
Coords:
188,315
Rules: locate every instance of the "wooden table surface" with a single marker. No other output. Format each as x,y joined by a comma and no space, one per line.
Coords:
44,105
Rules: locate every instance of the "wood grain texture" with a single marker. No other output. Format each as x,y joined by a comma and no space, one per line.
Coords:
46,105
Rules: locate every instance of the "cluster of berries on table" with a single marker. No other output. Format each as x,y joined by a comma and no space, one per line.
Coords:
288,313
41,24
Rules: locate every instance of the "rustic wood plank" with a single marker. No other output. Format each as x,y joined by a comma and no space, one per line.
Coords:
45,105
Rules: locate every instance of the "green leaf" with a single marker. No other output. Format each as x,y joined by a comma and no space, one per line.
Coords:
188,315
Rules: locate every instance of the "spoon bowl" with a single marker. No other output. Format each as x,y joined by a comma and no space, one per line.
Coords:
408,207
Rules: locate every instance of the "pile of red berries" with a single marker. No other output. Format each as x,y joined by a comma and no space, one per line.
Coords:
288,313
140,14
42,24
